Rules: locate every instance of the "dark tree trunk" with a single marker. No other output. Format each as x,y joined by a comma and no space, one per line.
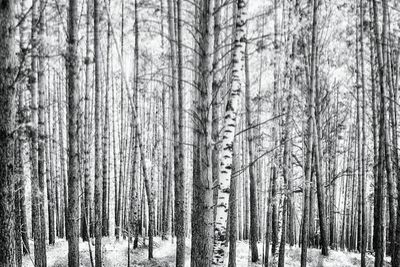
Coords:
98,198
73,160
7,120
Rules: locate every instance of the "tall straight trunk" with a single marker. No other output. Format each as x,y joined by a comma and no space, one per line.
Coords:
178,150
19,176
165,230
287,154
379,202
216,88
318,153
233,205
24,135
73,157
252,177
176,121
310,134
230,121
119,188
202,213
274,133
147,179
8,70
374,120
50,169
41,129
98,197
87,210
363,143
320,189
37,158
62,176
358,122
288,129
105,217
388,151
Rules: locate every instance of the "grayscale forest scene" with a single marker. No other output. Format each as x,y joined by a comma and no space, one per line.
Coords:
199,133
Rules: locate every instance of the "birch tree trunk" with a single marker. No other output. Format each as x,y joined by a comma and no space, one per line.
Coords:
230,121
233,205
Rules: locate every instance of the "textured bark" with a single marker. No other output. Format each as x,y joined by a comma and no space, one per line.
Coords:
216,88
62,176
98,179
230,121
50,169
202,213
309,140
252,177
324,242
379,193
73,157
18,174
363,143
37,147
287,228
165,230
7,120
177,124
118,188
274,133
24,134
41,129
105,217
87,210
233,206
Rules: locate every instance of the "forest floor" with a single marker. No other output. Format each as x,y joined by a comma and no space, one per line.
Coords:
116,255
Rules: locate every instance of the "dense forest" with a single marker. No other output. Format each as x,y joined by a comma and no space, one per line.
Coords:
199,133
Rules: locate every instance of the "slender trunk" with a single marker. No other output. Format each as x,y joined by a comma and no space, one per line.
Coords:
118,190
50,169
105,230
310,135
98,197
253,182
379,215
363,148
41,130
230,122
233,205
24,135
179,167
37,151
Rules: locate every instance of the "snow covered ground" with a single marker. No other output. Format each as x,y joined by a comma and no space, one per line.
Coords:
116,254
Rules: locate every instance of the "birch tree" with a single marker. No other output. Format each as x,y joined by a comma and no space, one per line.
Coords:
230,121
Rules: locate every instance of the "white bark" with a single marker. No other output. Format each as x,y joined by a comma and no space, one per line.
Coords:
230,121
